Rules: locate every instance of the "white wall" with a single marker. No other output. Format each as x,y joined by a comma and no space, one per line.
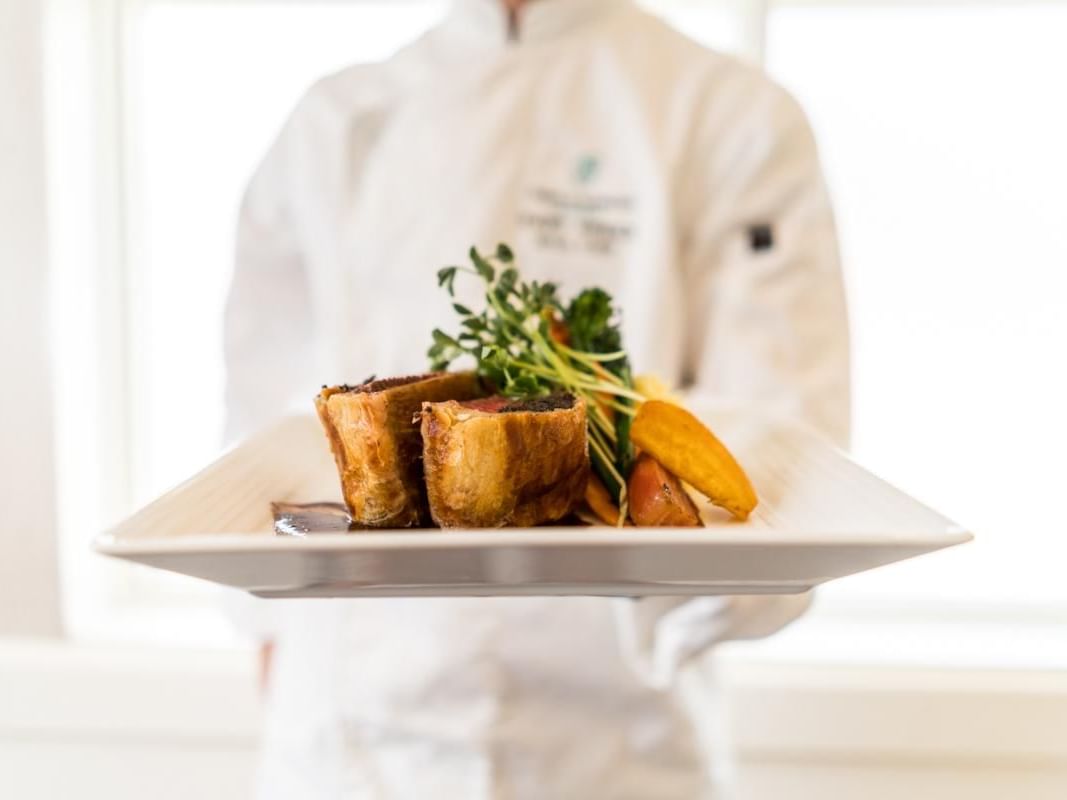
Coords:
125,724
28,582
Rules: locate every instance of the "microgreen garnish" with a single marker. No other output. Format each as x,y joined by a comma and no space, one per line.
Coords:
528,344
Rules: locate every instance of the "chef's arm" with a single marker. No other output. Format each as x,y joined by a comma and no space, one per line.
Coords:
269,324
767,324
767,332
268,339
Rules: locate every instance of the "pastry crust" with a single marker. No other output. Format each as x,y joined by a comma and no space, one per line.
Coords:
378,448
524,465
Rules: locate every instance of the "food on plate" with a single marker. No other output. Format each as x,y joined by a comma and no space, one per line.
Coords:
377,448
600,502
685,446
551,423
658,499
653,388
527,342
503,461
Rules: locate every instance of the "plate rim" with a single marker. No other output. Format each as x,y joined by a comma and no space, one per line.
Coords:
117,544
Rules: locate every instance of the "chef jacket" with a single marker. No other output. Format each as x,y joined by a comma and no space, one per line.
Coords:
608,150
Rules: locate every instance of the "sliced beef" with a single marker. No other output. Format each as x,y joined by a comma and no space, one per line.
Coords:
498,462
377,446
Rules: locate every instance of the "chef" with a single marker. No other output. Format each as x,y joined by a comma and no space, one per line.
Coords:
608,150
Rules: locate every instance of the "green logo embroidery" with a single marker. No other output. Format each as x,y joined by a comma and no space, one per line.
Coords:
586,168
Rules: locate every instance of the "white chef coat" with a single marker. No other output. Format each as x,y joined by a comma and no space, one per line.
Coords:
608,150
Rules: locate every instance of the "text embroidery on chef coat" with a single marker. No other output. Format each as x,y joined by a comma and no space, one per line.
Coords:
578,219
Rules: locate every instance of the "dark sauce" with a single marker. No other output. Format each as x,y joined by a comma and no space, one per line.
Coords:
308,519
293,519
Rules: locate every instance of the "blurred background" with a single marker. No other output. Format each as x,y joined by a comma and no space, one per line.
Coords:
128,129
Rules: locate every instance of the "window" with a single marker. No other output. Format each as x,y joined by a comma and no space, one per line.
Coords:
189,96
947,173
945,167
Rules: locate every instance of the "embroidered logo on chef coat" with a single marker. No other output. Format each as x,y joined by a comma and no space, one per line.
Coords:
586,168
578,219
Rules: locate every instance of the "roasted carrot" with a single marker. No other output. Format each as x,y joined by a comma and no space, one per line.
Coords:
658,499
598,498
685,446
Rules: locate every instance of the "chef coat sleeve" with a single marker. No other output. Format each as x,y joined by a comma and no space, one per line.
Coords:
660,635
766,318
269,324
268,328
767,331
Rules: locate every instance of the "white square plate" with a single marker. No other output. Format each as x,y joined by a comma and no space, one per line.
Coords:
820,517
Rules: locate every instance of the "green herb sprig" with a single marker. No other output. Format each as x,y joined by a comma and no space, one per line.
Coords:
518,344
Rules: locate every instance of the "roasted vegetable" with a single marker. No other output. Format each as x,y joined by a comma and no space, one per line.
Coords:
653,388
600,503
658,499
685,446
527,343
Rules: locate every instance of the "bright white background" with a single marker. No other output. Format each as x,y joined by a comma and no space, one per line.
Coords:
946,170
942,131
